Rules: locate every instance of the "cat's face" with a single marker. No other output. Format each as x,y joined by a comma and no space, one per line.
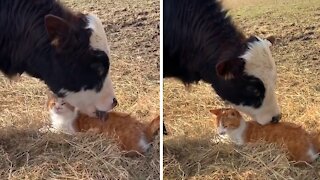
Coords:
59,106
227,119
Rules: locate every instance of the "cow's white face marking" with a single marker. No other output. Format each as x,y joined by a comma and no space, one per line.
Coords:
88,101
260,63
98,39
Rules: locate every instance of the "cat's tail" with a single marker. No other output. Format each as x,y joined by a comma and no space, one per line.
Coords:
152,128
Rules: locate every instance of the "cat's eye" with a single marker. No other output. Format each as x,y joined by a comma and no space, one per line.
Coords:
63,103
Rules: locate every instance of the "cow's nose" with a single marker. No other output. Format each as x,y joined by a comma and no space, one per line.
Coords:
276,119
115,102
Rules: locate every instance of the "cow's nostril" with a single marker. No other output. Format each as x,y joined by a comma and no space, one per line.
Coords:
276,119
115,102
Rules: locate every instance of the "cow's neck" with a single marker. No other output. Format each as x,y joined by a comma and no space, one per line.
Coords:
43,67
221,42
39,61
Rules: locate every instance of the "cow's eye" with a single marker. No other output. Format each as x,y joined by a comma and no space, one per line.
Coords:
254,91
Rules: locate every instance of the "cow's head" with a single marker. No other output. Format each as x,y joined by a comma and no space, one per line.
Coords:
81,62
249,82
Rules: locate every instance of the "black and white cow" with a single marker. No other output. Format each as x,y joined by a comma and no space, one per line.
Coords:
67,50
202,43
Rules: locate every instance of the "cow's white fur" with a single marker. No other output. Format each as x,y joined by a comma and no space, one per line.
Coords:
98,39
88,101
260,63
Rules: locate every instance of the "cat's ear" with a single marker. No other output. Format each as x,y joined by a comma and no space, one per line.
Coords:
233,113
51,98
50,94
216,112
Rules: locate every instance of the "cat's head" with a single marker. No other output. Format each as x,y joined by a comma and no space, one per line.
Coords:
58,105
227,119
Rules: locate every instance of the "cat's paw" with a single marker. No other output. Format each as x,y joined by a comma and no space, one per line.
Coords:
47,129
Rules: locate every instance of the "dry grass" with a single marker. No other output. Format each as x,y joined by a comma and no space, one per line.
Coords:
132,29
193,151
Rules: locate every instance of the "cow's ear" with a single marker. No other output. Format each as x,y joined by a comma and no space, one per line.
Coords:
230,69
57,28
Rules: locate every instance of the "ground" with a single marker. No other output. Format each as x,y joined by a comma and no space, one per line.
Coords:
193,151
132,29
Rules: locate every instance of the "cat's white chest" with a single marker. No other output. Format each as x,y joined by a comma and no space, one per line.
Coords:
236,135
238,140
62,124
144,145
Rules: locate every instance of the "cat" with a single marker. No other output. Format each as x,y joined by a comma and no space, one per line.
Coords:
301,145
133,136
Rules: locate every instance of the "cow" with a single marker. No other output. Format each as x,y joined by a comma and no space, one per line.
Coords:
202,43
68,51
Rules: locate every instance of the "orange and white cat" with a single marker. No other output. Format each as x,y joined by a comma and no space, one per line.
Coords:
301,145
131,134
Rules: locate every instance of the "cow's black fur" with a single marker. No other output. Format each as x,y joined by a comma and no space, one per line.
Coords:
27,44
198,36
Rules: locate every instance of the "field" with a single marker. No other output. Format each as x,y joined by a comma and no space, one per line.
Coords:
132,29
193,151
